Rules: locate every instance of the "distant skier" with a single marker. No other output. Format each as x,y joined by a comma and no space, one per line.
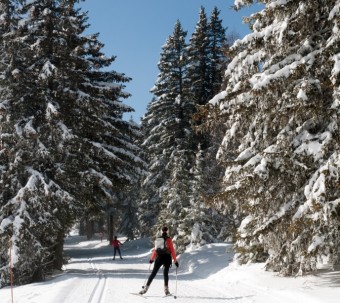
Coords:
101,235
116,247
161,255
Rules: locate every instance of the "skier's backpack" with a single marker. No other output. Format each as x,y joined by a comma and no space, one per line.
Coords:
160,246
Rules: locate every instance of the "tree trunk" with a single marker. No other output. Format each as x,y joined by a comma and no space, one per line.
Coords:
58,251
89,229
111,228
82,227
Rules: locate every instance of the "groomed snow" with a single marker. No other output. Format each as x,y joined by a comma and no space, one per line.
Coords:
205,275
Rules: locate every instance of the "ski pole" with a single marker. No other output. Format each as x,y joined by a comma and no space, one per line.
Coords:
175,296
146,276
11,267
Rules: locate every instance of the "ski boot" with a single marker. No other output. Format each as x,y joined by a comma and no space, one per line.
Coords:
166,290
144,290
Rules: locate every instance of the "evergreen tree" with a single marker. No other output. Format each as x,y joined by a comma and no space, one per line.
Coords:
64,144
199,62
281,148
217,51
202,222
130,224
33,206
166,125
212,171
207,60
175,205
187,79
206,57
152,181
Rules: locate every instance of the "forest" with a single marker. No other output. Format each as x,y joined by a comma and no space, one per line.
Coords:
240,142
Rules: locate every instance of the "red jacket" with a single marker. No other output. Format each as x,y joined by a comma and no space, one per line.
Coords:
170,246
116,243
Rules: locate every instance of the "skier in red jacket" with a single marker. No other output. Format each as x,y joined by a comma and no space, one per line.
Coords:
116,247
161,255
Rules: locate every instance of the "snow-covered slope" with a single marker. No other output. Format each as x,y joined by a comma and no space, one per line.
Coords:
205,275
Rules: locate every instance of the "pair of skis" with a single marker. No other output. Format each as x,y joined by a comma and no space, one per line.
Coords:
146,296
169,295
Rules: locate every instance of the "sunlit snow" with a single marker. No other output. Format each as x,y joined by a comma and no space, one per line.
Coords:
207,274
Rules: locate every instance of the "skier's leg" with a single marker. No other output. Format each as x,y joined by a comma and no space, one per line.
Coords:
120,255
167,265
166,275
154,272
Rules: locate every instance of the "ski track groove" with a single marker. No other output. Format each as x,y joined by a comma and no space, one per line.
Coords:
101,285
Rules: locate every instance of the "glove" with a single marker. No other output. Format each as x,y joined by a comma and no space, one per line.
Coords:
176,263
150,261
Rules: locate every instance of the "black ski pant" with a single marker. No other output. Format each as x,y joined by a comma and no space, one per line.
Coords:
161,260
115,249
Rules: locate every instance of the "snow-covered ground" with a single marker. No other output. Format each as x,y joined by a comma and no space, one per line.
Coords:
205,275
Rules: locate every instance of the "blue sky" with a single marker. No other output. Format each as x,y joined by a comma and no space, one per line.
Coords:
135,30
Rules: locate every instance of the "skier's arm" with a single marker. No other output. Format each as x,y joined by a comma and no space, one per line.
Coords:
153,255
170,246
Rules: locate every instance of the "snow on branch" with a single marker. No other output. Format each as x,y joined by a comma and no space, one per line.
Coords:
103,179
66,132
335,11
51,110
104,150
317,241
276,216
313,145
278,3
315,190
31,185
47,70
336,68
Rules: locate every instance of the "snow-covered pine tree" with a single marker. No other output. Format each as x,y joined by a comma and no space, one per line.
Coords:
218,45
166,125
281,106
199,59
202,59
152,181
175,206
212,170
64,145
130,224
206,57
206,61
199,62
201,217
179,201
34,208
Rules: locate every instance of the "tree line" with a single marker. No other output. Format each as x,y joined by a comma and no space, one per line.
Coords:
240,141
65,149
181,165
